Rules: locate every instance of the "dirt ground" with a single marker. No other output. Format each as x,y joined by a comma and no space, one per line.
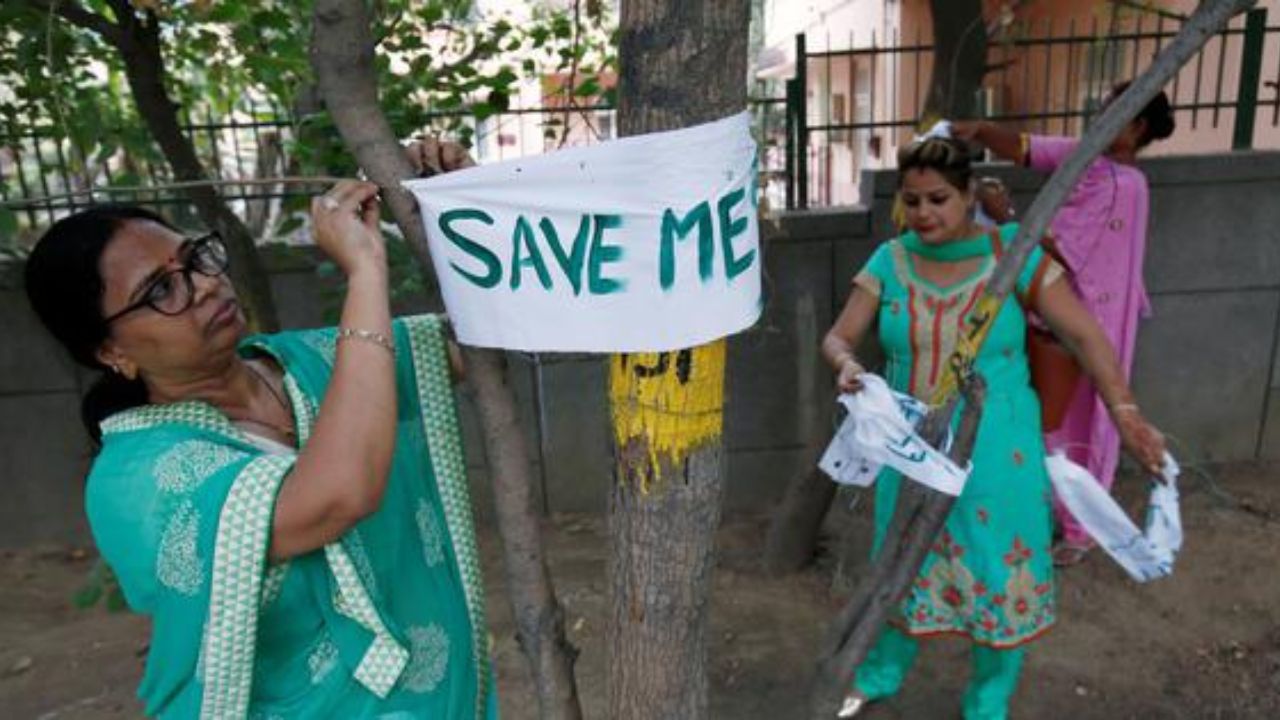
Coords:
1204,643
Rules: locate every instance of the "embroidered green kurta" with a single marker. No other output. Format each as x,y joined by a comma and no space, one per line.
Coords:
989,576
386,622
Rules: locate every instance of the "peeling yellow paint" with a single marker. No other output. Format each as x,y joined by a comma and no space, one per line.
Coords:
667,403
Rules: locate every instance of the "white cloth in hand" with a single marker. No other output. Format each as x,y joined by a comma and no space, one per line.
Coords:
880,430
1145,555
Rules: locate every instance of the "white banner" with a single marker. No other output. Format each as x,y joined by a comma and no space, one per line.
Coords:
1145,555
648,243
880,430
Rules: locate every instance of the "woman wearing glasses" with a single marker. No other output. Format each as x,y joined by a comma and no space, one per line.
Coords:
291,509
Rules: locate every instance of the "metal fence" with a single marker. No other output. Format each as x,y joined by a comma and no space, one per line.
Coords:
848,110
44,175
845,110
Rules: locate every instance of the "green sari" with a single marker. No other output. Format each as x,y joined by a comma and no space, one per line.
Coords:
388,622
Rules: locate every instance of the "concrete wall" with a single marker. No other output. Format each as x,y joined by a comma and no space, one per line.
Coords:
1206,368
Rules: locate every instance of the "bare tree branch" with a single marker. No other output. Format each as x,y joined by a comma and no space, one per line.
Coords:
139,46
467,58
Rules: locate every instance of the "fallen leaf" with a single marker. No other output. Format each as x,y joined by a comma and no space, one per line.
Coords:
22,665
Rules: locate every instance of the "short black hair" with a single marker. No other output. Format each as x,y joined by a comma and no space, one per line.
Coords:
1157,115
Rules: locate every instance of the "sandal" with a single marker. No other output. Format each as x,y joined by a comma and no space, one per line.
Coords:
854,703
1066,554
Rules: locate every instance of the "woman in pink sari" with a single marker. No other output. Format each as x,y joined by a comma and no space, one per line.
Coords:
1101,233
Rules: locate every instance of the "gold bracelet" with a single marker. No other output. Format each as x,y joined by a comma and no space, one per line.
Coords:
1124,407
368,336
1024,149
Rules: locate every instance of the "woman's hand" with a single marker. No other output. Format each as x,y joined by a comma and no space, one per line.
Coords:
847,379
1141,439
431,156
1081,333
344,222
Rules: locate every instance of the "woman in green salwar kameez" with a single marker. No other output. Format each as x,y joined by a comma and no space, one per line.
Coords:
291,510
989,575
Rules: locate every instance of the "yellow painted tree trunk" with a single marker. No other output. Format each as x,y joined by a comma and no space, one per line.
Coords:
681,64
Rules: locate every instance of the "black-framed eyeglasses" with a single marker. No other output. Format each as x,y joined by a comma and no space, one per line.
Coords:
173,291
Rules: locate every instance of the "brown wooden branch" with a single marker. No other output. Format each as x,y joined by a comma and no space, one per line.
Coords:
918,517
343,60
570,91
342,54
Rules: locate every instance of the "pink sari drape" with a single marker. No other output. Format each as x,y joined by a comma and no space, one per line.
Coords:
1101,232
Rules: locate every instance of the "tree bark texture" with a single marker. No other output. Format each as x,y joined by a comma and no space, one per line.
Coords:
959,58
681,64
795,526
921,511
139,43
342,54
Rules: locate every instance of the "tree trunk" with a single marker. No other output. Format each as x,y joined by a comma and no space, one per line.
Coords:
921,511
681,64
139,44
959,58
795,526
342,55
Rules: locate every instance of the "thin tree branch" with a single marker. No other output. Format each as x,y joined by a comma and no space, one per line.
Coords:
571,87
184,185
467,58
343,60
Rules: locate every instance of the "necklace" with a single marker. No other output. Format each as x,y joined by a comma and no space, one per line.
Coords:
287,431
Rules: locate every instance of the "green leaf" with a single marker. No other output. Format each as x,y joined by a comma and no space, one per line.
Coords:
432,13
499,100
87,596
115,599
288,226
505,76
8,224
